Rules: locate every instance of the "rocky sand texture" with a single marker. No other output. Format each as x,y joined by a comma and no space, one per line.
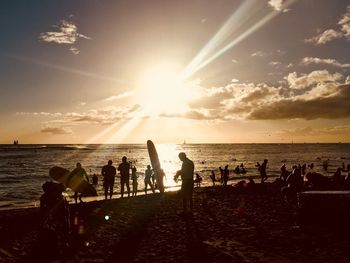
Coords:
228,224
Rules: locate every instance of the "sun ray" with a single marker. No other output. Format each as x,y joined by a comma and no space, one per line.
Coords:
234,24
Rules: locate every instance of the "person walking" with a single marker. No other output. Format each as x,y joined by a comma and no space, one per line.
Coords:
108,172
75,178
124,169
186,173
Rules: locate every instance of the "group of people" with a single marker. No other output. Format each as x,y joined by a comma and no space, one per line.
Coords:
109,172
298,180
54,209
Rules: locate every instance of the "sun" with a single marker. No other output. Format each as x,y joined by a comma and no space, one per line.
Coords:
162,89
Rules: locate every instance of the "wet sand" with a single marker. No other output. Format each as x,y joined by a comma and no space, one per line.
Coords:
228,225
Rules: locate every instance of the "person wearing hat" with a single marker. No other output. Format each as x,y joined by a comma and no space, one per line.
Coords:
108,172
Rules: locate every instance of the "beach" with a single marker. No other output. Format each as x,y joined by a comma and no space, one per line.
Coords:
228,224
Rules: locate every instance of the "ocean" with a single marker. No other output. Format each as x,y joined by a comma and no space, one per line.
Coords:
24,168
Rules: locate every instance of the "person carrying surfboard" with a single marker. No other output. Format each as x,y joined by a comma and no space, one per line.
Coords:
77,175
108,172
124,169
186,173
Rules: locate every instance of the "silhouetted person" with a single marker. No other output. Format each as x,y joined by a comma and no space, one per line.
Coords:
262,170
325,165
198,180
212,177
186,173
284,173
226,175
54,219
316,181
78,174
134,181
338,179
108,172
295,184
221,175
94,180
124,169
148,176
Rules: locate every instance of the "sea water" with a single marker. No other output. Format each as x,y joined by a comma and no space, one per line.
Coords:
24,168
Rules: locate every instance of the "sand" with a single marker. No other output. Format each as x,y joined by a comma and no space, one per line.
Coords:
227,225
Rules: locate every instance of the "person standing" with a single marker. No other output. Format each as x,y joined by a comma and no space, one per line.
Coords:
262,170
186,173
148,176
108,172
124,169
75,178
134,180
226,175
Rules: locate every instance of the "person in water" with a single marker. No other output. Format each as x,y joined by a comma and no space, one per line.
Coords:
108,172
134,180
198,180
212,177
262,170
124,169
77,175
186,173
148,176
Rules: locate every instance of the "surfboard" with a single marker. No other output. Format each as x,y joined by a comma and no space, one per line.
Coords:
77,184
153,156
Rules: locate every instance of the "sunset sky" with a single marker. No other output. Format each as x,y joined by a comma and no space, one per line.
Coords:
216,71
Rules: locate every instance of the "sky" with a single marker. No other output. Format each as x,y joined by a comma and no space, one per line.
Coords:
200,71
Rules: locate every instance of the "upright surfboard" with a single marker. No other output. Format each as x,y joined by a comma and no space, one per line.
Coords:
158,172
61,175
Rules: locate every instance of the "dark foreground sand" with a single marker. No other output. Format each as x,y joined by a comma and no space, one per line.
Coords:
228,225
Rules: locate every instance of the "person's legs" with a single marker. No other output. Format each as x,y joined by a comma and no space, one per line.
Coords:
111,190
191,202
128,186
122,182
76,197
106,190
184,204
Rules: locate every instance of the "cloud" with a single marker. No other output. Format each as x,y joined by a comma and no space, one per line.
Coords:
66,33
331,34
275,64
325,37
277,5
74,50
56,130
315,77
344,23
120,96
259,54
103,116
327,61
319,94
